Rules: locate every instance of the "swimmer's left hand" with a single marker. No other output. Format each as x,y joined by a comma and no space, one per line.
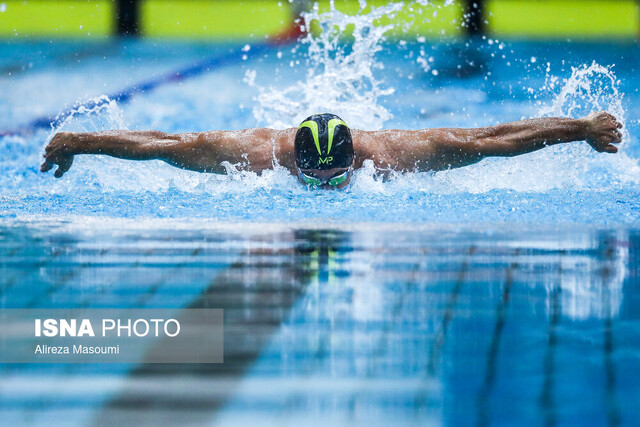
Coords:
603,130
59,152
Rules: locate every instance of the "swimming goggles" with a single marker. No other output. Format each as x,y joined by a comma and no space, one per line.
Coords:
334,181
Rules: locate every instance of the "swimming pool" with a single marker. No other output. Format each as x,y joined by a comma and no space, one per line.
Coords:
501,293
569,184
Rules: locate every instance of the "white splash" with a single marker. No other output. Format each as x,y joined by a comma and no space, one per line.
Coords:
590,88
593,88
340,78
110,173
94,114
574,165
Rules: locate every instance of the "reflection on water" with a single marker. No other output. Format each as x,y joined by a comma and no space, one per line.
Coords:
352,325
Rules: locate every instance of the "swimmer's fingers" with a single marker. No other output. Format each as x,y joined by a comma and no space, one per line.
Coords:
57,156
46,166
63,167
602,119
609,122
605,145
618,137
51,158
603,131
614,121
611,137
59,151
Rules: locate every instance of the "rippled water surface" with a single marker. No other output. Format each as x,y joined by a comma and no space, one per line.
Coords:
349,325
413,85
502,293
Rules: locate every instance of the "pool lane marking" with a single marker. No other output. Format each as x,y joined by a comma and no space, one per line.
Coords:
546,398
483,395
238,361
439,341
440,338
46,122
614,417
210,64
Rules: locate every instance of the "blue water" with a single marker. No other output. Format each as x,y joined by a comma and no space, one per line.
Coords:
355,326
567,184
503,293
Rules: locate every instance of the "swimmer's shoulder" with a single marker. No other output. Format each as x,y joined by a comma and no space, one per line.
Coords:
283,147
370,145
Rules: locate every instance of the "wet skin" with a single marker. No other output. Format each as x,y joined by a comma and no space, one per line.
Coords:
259,149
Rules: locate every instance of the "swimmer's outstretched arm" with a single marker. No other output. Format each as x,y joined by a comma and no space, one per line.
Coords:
438,149
250,149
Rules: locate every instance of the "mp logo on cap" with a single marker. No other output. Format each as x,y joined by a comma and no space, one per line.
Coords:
314,131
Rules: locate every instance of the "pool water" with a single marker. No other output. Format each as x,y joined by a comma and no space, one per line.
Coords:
501,293
562,184
350,325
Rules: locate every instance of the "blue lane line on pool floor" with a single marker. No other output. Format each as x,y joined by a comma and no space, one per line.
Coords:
210,64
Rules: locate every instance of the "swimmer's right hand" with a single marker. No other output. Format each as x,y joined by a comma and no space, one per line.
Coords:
59,151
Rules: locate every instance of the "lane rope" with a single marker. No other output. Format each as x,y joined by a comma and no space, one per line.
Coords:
125,95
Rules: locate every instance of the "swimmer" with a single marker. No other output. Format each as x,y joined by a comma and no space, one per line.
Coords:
323,151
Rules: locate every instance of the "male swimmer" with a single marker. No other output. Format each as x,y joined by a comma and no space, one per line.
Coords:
323,150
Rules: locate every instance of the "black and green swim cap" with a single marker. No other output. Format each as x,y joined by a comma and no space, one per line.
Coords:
323,141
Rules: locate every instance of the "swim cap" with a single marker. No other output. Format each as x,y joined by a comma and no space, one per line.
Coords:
323,141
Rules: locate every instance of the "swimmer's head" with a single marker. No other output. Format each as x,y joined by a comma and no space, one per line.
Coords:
323,142
324,151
